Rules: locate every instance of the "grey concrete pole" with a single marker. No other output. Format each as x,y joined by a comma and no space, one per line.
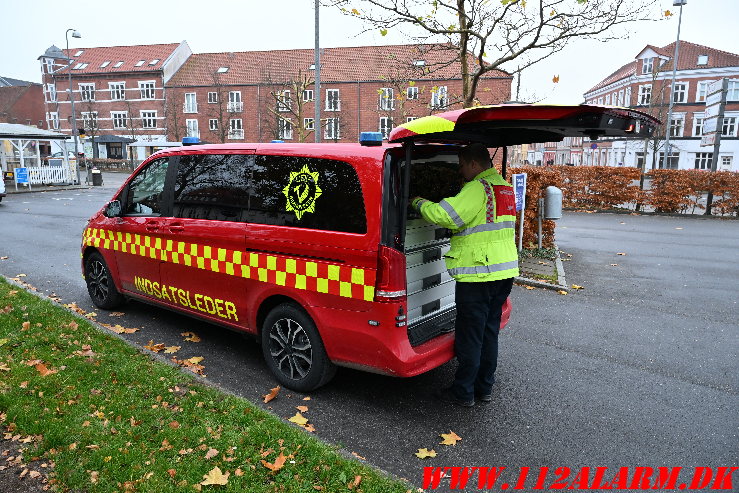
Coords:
75,34
672,85
317,102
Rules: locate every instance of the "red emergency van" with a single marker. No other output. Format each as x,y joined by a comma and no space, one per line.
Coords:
312,247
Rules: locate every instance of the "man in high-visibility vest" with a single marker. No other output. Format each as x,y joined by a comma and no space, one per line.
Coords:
483,260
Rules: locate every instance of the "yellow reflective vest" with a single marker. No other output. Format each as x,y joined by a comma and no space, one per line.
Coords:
482,217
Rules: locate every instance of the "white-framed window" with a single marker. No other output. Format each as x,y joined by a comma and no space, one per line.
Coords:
672,161
647,65
608,99
621,97
284,129
140,63
387,99
191,126
222,70
308,95
439,97
309,123
386,123
411,92
117,64
120,119
51,93
733,91
117,90
703,160
148,119
332,129
680,94
600,100
645,94
333,103
235,129
676,125
284,101
726,163
701,91
235,105
154,62
212,97
410,118
146,87
627,97
105,64
90,120
702,60
87,91
213,124
49,62
729,127
191,104
52,118
697,124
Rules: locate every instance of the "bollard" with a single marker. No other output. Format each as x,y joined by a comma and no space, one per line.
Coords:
97,177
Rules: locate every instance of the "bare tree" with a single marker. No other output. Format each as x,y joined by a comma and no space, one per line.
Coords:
287,106
221,109
173,115
490,35
134,126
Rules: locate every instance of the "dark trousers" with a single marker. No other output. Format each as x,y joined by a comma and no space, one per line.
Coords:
479,309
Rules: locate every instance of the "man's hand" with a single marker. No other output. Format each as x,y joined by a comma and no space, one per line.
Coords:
415,201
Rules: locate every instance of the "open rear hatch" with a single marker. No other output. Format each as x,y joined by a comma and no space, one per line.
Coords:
427,170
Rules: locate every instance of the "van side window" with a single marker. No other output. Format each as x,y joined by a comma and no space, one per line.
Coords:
212,186
146,189
307,193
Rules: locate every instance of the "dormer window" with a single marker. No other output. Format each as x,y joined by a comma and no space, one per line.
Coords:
118,64
702,59
312,66
79,53
222,70
647,65
80,66
140,63
419,63
154,62
104,64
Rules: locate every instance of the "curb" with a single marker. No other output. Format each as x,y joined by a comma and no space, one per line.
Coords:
561,281
48,189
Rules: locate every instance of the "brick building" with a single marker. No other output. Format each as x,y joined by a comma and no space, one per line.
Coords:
118,93
21,102
264,95
644,84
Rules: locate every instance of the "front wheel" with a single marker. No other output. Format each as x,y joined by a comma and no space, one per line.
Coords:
100,283
293,349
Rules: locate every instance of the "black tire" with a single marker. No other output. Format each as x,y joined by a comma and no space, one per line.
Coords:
100,283
293,349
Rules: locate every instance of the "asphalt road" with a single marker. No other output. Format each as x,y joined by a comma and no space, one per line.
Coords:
639,368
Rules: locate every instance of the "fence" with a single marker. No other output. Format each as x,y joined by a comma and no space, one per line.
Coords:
49,174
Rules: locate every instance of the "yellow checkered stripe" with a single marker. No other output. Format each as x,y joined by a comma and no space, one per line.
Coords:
292,272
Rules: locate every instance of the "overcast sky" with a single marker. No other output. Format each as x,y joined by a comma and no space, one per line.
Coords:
31,26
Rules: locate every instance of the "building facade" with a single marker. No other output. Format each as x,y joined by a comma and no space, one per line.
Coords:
118,93
21,102
270,95
645,84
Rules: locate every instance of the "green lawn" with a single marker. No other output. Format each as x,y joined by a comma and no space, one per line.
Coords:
113,419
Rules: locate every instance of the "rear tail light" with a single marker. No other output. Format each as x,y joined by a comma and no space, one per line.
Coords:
390,275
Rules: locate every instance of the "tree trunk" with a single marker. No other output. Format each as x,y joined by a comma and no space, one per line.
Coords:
467,95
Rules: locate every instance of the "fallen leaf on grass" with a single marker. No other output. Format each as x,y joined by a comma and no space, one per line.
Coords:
575,286
26,325
154,347
562,292
43,370
94,476
215,476
355,483
272,394
450,438
171,472
278,464
4,367
174,425
191,336
211,453
298,419
425,453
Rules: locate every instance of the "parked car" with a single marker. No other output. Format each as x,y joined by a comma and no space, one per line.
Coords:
2,189
312,248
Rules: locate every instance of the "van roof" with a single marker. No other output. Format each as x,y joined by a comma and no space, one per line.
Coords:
335,150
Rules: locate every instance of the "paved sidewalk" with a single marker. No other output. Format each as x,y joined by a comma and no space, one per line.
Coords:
542,273
111,180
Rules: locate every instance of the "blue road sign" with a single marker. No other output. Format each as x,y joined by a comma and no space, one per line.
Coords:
21,175
519,187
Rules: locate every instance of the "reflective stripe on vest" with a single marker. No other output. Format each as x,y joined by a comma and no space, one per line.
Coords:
452,213
484,269
485,227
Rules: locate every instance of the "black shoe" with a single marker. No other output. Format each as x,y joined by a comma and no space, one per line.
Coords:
447,395
484,398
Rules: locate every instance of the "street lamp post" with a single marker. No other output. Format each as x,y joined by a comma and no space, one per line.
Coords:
668,148
75,34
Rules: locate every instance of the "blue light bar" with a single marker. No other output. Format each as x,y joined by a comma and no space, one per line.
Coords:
190,141
370,138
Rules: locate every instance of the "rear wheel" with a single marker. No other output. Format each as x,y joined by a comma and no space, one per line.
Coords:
100,283
293,349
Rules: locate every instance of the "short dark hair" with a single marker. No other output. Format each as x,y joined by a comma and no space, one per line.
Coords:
477,153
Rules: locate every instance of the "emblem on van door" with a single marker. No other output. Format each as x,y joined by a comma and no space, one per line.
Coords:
302,191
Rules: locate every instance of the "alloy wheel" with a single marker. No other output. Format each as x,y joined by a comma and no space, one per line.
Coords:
290,348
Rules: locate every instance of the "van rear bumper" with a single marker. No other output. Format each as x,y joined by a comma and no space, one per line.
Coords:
352,342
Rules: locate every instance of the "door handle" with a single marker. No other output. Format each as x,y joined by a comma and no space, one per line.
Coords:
152,226
176,227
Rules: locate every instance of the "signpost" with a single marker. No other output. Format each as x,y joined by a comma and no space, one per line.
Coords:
21,176
519,188
713,124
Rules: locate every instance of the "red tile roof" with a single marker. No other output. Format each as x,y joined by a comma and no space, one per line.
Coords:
337,64
129,55
687,60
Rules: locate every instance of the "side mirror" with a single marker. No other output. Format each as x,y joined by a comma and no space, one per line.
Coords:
112,209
